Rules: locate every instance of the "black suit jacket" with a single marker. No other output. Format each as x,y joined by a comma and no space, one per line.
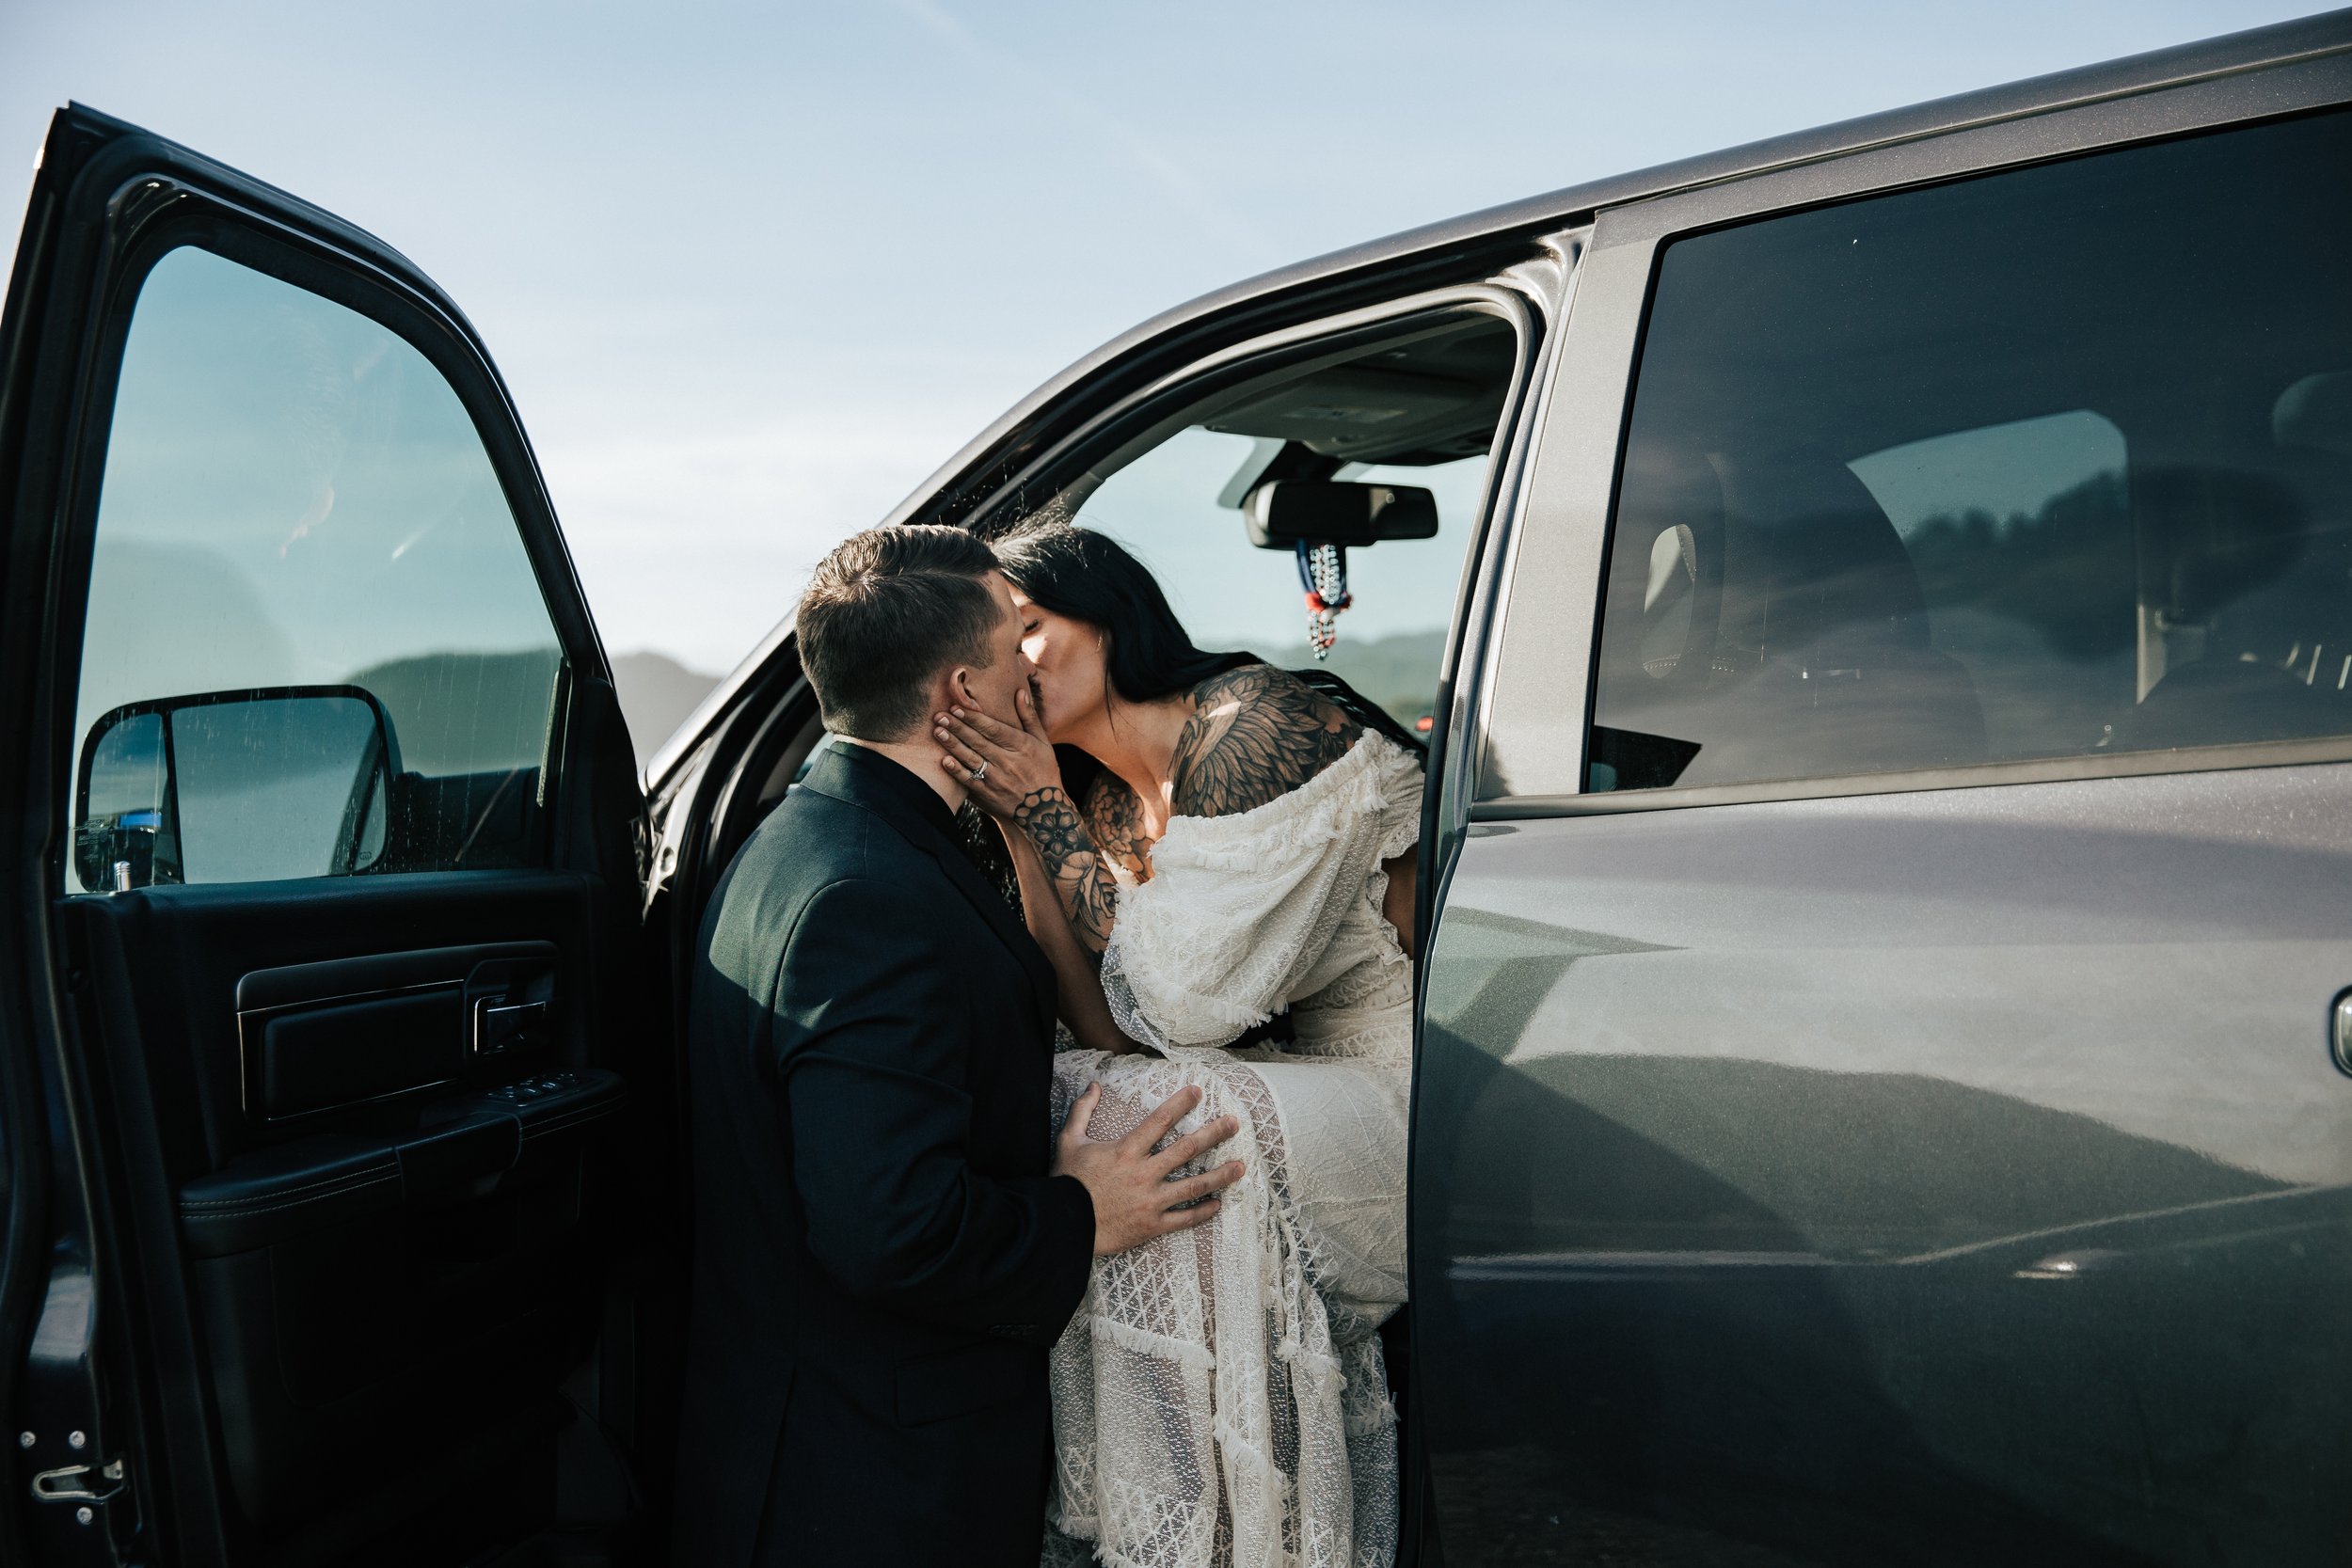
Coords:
881,1261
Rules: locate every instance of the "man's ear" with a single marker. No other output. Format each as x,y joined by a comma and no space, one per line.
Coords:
960,691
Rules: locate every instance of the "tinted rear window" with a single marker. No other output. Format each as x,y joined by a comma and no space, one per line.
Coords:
2050,463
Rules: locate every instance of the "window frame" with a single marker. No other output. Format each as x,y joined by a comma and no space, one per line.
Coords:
152,216
1531,298
1134,424
1127,430
1537,679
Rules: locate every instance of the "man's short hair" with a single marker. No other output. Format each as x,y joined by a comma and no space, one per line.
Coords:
887,610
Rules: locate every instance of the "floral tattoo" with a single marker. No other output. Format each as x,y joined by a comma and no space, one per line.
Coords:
1115,822
1089,894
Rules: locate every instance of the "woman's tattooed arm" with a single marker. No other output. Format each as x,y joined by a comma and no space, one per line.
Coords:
1114,819
1256,733
1090,894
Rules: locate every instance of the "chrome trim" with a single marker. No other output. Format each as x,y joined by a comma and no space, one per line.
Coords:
1540,645
488,1006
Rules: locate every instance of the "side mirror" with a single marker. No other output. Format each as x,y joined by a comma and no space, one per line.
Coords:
234,786
1284,513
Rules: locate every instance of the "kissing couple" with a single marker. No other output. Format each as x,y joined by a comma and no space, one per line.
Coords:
962,1297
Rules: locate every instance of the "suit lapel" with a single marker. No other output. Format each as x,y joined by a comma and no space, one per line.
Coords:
877,785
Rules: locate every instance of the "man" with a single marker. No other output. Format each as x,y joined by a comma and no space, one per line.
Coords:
882,1257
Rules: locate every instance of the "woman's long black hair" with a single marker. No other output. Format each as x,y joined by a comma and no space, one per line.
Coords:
1147,652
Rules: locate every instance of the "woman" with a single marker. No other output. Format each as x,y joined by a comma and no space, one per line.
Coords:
1217,841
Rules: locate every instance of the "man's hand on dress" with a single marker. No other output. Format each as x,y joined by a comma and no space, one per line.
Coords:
1135,1199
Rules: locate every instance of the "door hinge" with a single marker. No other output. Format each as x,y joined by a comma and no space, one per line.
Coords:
64,1446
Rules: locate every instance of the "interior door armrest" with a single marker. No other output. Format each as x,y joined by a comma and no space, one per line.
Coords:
308,1184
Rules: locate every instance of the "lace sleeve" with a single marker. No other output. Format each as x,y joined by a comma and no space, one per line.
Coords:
1240,909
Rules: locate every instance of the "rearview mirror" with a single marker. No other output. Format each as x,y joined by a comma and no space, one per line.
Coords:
1281,515
235,787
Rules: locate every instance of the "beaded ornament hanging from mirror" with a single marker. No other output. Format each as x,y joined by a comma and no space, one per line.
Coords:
1322,572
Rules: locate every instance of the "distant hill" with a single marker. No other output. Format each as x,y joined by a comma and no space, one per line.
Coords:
658,693
461,711
1399,671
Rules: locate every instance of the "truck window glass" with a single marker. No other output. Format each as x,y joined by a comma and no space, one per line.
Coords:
2028,465
293,498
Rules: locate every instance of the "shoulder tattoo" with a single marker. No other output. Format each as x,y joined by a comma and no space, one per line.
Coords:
1256,733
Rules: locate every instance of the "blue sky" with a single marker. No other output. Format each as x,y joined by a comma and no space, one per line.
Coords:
754,271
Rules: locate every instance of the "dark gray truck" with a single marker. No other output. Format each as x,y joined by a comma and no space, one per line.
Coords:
1880,606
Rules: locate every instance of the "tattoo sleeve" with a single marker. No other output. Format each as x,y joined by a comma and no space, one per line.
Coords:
1256,733
1114,819
1090,894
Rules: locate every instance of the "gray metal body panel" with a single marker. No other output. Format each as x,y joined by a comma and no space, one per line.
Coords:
1955,1176
1875,1169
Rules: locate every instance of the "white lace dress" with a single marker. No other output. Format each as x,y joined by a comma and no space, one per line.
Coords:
1219,1397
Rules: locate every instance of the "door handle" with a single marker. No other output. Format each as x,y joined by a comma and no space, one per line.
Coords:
2339,1031
501,1025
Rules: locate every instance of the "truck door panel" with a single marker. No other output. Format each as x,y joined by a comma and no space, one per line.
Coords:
354,1041
1875,1095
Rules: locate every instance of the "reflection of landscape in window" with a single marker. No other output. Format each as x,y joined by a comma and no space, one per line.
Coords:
2021,534
2080,599
2039,608
460,712
2065,569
